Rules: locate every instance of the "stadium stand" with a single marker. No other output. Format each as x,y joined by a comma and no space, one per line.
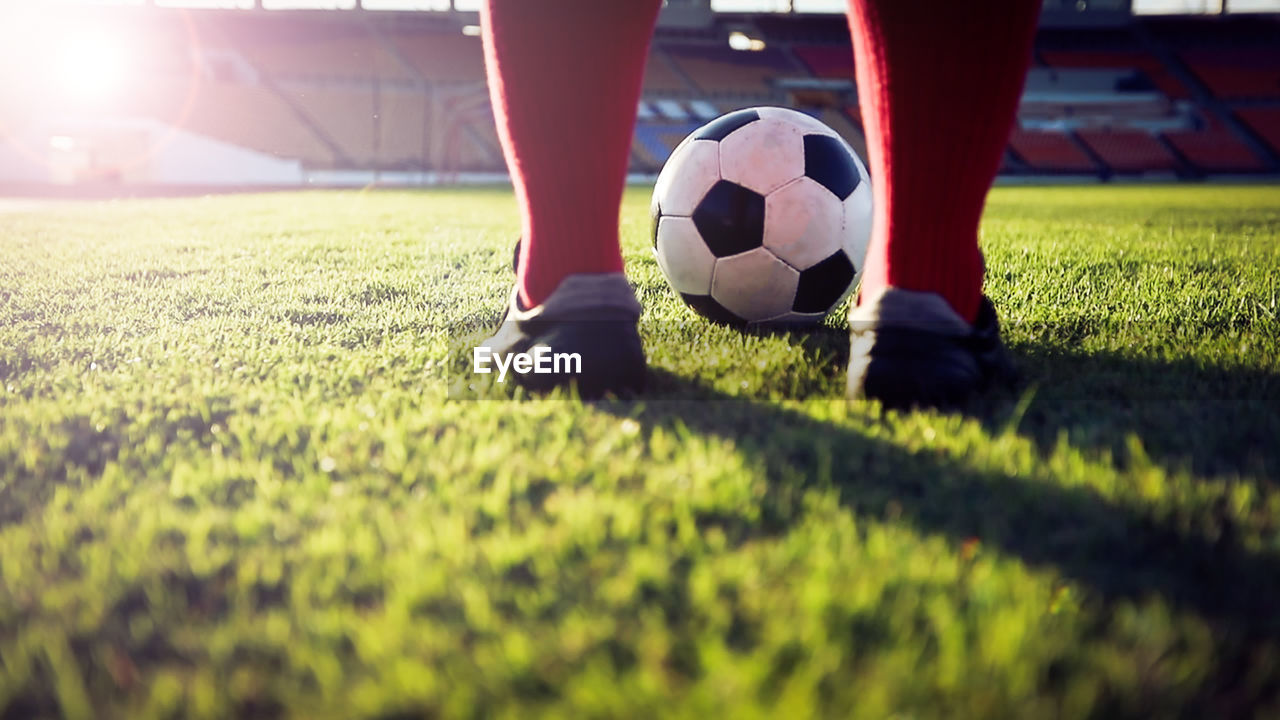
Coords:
400,121
803,29
703,110
1237,73
344,115
251,116
1060,92
655,140
1265,122
1235,58
826,61
328,50
439,57
485,151
466,150
1050,151
642,160
405,91
1129,151
720,70
1213,147
660,77
1159,75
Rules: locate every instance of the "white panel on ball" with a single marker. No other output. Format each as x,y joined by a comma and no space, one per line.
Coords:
803,223
687,176
685,259
763,155
857,224
810,124
754,285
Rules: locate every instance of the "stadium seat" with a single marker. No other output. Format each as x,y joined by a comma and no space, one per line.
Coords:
343,94
1265,122
1050,151
703,110
1237,73
671,110
642,160
1214,148
402,119
827,61
486,155
659,77
344,114
316,51
656,140
250,116
439,57
460,134
1128,151
1161,77
719,69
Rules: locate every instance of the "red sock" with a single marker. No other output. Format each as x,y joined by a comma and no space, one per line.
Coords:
564,77
939,83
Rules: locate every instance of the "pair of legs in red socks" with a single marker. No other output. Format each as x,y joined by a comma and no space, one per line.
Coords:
938,84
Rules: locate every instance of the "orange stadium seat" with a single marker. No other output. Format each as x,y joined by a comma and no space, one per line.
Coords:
1214,148
338,92
641,159
659,77
440,57
1237,73
459,132
345,115
487,153
1265,122
316,50
1151,66
1128,150
466,150
718,69
1050,151
250,116
401,125
827,61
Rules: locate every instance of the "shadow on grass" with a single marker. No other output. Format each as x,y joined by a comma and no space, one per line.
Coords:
1186,415
1116,552
1207,419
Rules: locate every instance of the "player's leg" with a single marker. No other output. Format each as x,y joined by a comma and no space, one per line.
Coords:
939,84
564,77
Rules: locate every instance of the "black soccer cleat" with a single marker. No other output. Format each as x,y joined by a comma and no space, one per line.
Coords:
911,349
584,334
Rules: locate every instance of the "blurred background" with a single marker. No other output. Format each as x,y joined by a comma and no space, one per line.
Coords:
158,96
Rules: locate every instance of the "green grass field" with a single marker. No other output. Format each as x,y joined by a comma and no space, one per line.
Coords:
232,482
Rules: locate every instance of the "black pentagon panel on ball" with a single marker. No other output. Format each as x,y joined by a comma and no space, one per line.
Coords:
823,284
730,219
827,162
706,306
720,128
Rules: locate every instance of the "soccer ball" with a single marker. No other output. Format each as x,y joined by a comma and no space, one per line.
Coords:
762,216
